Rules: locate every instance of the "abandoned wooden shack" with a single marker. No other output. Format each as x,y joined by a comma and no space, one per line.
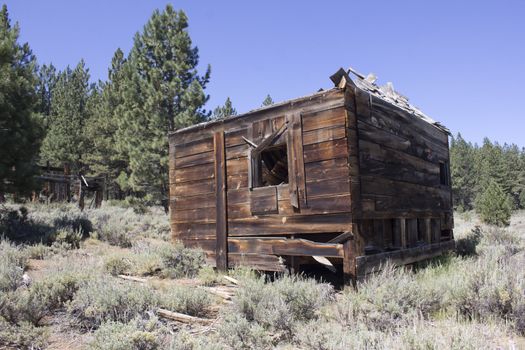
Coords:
352,176
59,185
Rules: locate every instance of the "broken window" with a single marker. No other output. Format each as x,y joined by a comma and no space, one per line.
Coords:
272,166
269,160
444,173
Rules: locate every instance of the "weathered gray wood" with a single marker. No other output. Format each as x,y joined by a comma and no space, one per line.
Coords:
291,247
280,225
183,318
343,237
373,263
263,200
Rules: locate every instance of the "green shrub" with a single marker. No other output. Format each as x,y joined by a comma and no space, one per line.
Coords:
466,246
236,332
500,243
448,334
124,336
493,205
303,296
38,251
118,264
73,221
179,261
167,259
41,299
208,276
279,305
107,299
492,288
22,336
120,226
68,237
187,300
329,335
12,264
391,298
112,231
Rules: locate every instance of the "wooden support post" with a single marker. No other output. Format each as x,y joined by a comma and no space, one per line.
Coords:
349,262
293,261
403,232
99,194
428,231
412,232
67,173
80,196
221,247
388,240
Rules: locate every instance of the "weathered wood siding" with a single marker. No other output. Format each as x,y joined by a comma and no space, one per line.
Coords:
316,137
402,200
356,164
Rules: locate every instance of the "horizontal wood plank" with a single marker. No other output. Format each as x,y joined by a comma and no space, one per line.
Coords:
325,150
322,135
292,247
263,200
193,160
194,147
195,187
198,172
296,224
323,119
373,263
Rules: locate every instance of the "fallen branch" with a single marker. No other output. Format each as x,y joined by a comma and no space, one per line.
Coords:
134,279
219,292
231,279
183,318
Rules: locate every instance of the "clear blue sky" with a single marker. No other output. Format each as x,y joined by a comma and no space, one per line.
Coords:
461,62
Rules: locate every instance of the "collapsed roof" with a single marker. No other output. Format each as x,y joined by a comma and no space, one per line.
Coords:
385,92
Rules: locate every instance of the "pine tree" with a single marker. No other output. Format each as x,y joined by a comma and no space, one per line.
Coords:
521,180
489,165
224,111
47,78
511,173
173,96
20,129
493,205
129,134
462,172
66,141
105,158
268,101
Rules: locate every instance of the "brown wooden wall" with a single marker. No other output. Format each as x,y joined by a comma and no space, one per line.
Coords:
318,170
355,162
399,166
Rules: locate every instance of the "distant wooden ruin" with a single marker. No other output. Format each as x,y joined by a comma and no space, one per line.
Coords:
58,185
351,176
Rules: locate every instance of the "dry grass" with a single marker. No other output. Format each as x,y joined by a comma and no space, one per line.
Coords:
472,300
